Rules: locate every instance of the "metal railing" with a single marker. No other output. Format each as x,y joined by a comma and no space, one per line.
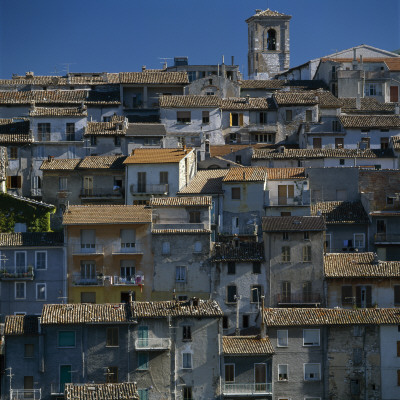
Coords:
127,248
79,280
21,394
245,251
298,298
17,273
149,189
285,201
241,230
88,248
178,225
101,193
137,279
387,237
153,344
247,388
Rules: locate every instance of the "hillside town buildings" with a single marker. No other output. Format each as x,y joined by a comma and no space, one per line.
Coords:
185,233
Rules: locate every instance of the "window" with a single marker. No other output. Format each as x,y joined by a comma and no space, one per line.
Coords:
231,294
206,117
88,271
282,372
341,161
307,254
41,291
339,143
40,259
183,117
20,261
186,360
44,132
271,39
288,116
29,350
336,127
186,332
312,372
262,117
194,217
256,293
88,238
117,141
307,292
225,322
384,143
180,274
112,375
88,297
231,268
229,373
143,361
310,337
373,89
141,182
165,248
359,240
365,143
398,377
396,291
285,254
389,200
66,339
70,131
286,292
236,119
308,115
187,393
285,235
282,338
235,193
256,267
285,192
363,296
13,153
63,183
112,337
143,394
128,238
306,235
93,140
20,290
245,321
163,177
28,387
238,159
198,247
317,143
14,182
347,295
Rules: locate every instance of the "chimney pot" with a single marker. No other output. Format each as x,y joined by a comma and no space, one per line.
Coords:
143,68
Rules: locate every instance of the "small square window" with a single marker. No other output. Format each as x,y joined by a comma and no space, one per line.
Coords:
235,193
186,332
245,321
29,350
310,337
66,339
282,338
256,267
306,235
312,372
112,337
186,360
282,372
194,217
13,153
231,268
112,375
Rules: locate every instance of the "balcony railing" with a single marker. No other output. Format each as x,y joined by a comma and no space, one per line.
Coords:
387,238
127,248
36,192
241,230
107,280
23,394
264,128
17,274
137,279
178,225
79,280
89,248
285,201
245,252
249,389
298,298
149,189
152,344
101,193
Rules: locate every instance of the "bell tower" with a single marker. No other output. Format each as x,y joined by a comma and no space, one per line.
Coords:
268,41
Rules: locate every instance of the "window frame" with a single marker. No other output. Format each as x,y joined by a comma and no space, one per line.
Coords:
280,373
258,293
15,290
31,353
180,274
288,115
112,378
166,248
143,365
363,240
205,117
45,260
309,343
65,346
37,291
236,193
312,379
194,217
234,301
112,336
183,117
284,336
307,251
256,267
187,360
186,333
231,373
231,268
285,254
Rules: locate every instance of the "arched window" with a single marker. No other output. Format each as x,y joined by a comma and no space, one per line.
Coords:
271,40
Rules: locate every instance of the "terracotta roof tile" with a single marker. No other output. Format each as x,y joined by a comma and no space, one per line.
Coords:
179,231
58,112
370,121
295,98
101,391
156,156
146,129
395,142
327,100
267,13
32,239
246,345
247,174
206,182
359,265
339,212
251,103
368,104
181,201
262,84
328,316
106,214
285,173
116,127
28,201
21,325
189,101
60,164
15,130
103,162
156,77
293,224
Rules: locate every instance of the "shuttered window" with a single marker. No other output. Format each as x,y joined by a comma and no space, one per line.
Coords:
347,294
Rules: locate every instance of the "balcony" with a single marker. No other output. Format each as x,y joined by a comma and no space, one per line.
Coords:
250,230
17,274
298,299
127,248
386,238
79,280
247,251
88,248
101,193
149,189
107,280
148,344
271,201
23,394
178,225
247,389
135,280
262,128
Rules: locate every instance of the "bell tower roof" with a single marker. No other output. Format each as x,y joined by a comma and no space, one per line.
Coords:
268,13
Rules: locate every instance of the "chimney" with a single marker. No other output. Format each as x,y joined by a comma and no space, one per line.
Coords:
354,54
233,60
130,297
247,98
174,295
258,11
358,102
361,59
244,175
143,68
397,109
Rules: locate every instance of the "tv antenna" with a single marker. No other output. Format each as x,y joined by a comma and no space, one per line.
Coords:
164,60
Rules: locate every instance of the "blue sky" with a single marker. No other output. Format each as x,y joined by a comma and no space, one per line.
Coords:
122,35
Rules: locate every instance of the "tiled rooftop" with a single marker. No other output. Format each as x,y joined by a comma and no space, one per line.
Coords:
206,182
32,239
180,231
278,174
21,325
393,63
58,112
115,127
277,84
101,391
189,101
247,174
103,162
156,156
14,130
267,13
246,345
106,214
370,121
60,164
329,316
293,224
340,212
153,77
204,201
295,98
359,265
368,104
251,103
146,129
